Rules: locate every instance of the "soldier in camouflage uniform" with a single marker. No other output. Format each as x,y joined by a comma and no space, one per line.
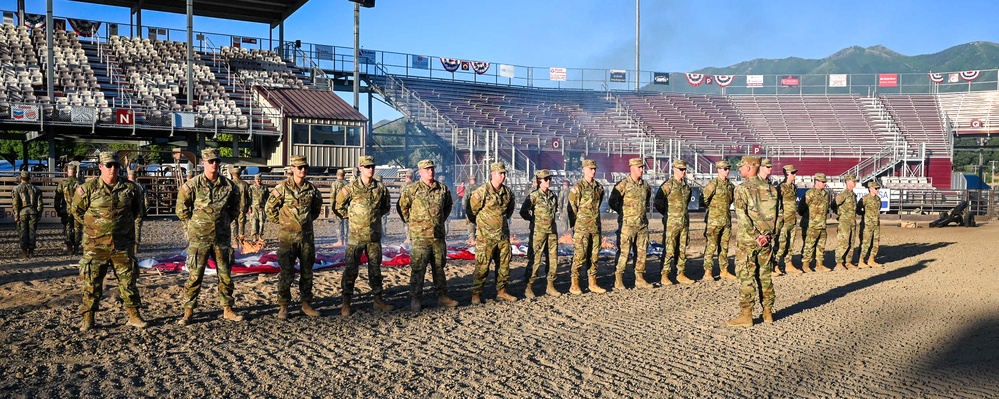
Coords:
630,199
363,203
786,221
584,219
846,209
242,202
255,213
341,224
425,207
671,201
870,226
107,207
206,204
717,198
464,207
814,208
490,207
540,207
63,205
145,208
756,209
27,202
294,204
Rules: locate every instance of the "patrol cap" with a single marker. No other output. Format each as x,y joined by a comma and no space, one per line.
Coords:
820,177
426,164
339,172
766,162
749,160
636,162
680,164
589,163
256,176
71,166
366,160
209,154
299,160
131,172
543,173
235,169
873,184
497,167
25,174
790,169
723,164
849,177
109,156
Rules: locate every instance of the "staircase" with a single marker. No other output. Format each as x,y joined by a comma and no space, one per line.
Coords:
897,150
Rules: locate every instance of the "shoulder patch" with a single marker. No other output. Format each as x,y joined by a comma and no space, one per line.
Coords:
184,187
79,190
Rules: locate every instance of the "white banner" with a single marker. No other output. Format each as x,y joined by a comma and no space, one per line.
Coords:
183,119
837,80
506,71
754,80
83,114
883,193
557,74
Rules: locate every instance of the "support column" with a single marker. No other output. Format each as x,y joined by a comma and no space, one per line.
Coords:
24,154
190,53
281,40
52,151
20,12
50,62
371,125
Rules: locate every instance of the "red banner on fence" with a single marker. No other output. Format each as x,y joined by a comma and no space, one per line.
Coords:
888,80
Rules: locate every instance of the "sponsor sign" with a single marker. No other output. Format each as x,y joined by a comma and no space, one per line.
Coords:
557,74
789,80
24,113
556,143
419,62
324,52
756,149
754,80
953,78
660,78
183,119
976,123
837,80
506,71
83,114
124,116
888,80
618,75
366,56
883,193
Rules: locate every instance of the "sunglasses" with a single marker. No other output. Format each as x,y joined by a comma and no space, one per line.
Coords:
110,165
367,167
300,167
546,178
214,161
682,169
726,168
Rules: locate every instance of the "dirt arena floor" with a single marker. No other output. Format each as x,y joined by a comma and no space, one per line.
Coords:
924,325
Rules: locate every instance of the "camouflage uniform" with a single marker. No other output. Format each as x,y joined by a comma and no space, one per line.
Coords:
145,209
107,214
242,191
584,218
787,217
490,209
425,209
27,203
341,228
363,206
630,199
814,209
207,207
294,207
541,209
756,209
72,231
846,209
255,219
671,201
870,227
717,197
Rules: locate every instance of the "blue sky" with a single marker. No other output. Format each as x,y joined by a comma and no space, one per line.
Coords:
676,36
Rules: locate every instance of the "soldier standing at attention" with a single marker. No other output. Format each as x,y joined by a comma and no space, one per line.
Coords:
490,207
787,219
717,198
671,201
425,207
145,208
27,201
846,209
294,204
870,228
207,204
255,214
630,199
766,168
243,203
756,209
107,207
814,209
63,204
541,209
341,228
363,203
584,219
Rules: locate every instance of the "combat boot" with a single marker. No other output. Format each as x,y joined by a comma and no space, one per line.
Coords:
24,254
874,263
283,313
819,267
596,288
792,270
551,291
529,291
68,249
726,274
768,315
229,314
682,279
640,280
308,310
31,253
345,309
504,296
135,319
776,270
186,319
415,305
574,288
839,267
445,300
476,299
806,267
381,305
850,266
88,322
862,264
744,320
618,281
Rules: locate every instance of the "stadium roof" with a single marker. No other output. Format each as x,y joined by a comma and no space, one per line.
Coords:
318,104
271,12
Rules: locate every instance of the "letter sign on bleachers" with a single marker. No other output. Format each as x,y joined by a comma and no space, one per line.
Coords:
757,149
124,116
556,143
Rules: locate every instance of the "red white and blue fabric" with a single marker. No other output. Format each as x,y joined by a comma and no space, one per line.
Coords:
695,79
34,20
724,80
480,67
936,77
450,64
83,27
970,75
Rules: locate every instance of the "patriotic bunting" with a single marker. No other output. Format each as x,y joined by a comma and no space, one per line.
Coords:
695,79
936,78
83,27
724,80
34,20
480,67
970,75
450,64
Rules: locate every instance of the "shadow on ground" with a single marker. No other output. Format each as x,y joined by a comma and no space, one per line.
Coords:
839,292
